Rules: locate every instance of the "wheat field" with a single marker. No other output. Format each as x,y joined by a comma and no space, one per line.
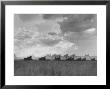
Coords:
55,68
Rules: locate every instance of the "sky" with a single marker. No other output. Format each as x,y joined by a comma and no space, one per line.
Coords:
40,34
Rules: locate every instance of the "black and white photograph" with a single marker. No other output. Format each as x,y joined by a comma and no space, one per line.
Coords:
55,44
49,43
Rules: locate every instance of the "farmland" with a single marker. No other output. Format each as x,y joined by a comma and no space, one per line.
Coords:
55,68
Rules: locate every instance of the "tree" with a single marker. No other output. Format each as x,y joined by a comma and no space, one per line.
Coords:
93,59
71,58
28,58
42,58
84,59
66,56
57,57
79,59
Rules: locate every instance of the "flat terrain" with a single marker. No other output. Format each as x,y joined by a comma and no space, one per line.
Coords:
55,68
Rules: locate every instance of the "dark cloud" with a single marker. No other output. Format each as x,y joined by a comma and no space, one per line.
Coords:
78,23
52,16
74,22
52,33
49,42
78,36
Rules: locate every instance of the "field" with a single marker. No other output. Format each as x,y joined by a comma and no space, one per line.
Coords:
55,68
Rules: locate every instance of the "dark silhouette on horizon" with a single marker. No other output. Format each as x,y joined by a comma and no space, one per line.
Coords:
42,58
28,58
66,57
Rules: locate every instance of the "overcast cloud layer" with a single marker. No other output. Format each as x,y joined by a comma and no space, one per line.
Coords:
41,34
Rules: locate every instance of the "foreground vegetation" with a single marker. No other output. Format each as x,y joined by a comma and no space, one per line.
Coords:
55,68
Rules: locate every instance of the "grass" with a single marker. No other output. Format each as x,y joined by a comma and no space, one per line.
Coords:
55,68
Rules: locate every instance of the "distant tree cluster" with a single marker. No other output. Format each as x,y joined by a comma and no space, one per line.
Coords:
65,57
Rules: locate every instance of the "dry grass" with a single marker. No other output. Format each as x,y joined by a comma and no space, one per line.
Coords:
55,68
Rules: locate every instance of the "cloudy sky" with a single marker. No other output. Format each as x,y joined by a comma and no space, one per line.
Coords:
41,34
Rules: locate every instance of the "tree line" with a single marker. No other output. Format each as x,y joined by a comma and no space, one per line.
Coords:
64,58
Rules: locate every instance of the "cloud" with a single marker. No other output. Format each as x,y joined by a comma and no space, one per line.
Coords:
67,22
39,35
64,44
39,50
31,19
17,22
49,42
84,35
52,16
49,26
29,35
78,23
36,22
91,30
